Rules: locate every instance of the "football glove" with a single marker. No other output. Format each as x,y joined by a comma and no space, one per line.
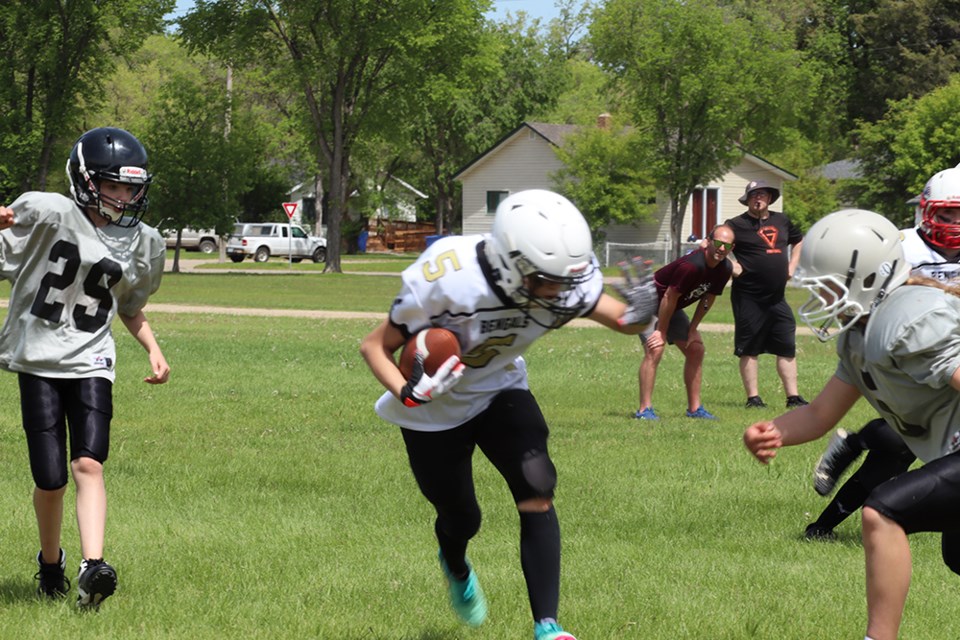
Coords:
421,388
639,291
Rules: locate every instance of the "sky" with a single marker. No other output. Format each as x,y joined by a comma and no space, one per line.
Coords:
543,9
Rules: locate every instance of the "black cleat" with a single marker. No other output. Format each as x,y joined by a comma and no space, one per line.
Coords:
816,532
53,582
795,401
839,455
96,581
756,402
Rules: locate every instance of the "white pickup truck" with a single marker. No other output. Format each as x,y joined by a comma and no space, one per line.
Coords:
260,240
203,240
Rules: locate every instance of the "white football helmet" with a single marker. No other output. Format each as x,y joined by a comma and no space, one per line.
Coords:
941,192
850,261
540,236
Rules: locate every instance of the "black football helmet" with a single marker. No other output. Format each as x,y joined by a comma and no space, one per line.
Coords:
108,153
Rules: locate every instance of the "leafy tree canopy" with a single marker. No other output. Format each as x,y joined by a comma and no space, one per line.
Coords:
605,175
698,80
901,151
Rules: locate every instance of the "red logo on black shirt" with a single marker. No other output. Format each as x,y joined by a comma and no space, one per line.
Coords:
769,235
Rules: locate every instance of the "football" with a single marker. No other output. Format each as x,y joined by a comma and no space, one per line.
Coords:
437,345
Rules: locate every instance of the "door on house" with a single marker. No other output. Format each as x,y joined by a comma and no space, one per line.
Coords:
704,211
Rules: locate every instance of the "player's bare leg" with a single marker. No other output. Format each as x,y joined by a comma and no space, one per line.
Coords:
91,505
48,506
888,573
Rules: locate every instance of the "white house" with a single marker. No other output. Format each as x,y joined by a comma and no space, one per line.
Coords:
525,159
399,203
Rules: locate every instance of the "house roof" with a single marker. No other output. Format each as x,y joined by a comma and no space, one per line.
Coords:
555,134
842,170
769,166
552,133
409,187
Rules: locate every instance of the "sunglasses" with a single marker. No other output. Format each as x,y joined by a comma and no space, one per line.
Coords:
720,244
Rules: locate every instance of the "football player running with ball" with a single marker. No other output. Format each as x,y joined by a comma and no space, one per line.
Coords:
898,342
74,264
498,293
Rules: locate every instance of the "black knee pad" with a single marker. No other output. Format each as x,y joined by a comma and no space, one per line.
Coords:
539,473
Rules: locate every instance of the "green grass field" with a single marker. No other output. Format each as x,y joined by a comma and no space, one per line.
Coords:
257,495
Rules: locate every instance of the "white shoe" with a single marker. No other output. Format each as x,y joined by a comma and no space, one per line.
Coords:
839,455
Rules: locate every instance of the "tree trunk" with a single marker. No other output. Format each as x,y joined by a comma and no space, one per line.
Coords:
678,205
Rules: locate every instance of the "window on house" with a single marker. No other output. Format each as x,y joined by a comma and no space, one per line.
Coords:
704,204
494,198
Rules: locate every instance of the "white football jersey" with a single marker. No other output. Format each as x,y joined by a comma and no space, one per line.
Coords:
69,280
926,260
903,363
447,287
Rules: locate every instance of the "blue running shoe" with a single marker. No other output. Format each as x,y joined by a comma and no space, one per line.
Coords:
550,629
701,413
646,414
466,596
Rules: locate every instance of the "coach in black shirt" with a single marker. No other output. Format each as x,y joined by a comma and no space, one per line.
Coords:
764,320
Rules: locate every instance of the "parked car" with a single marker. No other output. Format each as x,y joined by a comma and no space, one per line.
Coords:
261,240
203,240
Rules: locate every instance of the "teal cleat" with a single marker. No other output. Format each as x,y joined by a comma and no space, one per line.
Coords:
466,596
550,629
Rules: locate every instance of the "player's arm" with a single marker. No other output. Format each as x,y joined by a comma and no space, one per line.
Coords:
608,312
955,379
377,349
6,218
802,424
140,329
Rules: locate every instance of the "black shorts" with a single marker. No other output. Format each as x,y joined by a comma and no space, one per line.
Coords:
48,407
924,499
762,328
511,433
678,330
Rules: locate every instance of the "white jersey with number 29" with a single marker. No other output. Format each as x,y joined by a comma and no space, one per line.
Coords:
452,286
70,279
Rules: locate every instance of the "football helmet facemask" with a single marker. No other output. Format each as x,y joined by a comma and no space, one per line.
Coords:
850,261
539,241
107,153
941,193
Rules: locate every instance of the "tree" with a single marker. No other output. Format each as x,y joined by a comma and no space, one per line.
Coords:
353,61
502,75
56,54
900,49
604,174
201,170
902,150
698,82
